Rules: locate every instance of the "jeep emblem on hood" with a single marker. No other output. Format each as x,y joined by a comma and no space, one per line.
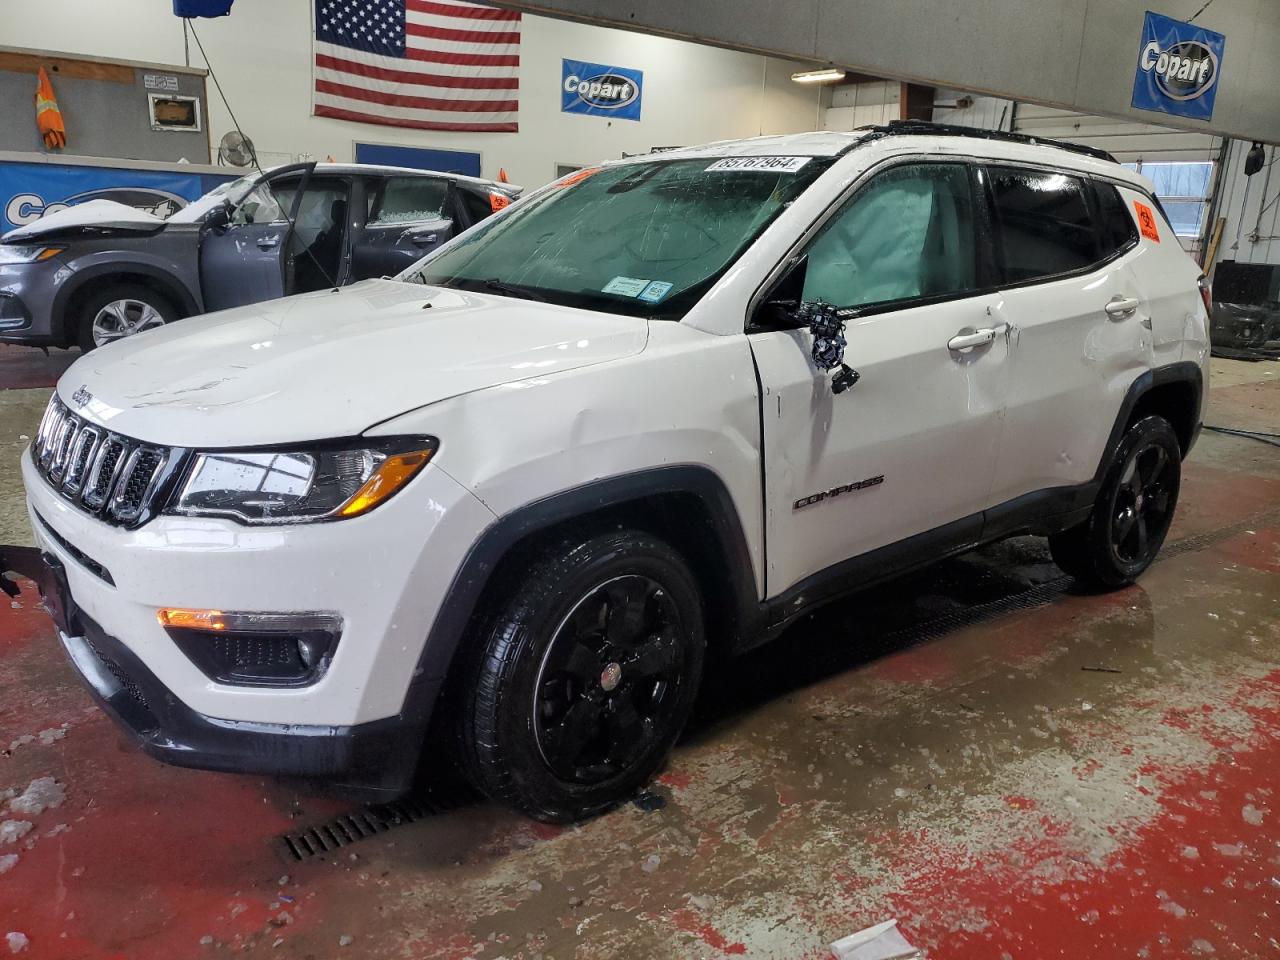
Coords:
81,396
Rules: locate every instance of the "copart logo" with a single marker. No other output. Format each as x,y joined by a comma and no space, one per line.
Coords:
606,91
837,491
25,208
1183,71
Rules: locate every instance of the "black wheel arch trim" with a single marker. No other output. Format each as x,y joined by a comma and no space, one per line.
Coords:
507,532
1184,371
173,286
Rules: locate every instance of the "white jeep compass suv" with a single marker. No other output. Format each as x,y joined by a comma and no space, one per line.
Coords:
658,408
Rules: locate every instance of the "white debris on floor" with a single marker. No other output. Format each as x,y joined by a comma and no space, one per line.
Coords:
8,862
884,941
43,794
11,831
17,941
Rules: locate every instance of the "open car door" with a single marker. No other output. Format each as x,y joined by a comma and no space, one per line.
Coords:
244,256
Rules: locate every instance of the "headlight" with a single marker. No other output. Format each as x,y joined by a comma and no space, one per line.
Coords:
15,253
296,486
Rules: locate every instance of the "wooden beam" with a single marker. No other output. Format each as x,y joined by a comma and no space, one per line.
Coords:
66,67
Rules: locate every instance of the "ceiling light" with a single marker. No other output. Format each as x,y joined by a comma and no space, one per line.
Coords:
829,75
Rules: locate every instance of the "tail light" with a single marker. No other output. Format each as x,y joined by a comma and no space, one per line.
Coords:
1206,295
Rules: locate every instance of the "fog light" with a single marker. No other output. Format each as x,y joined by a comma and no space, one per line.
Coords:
255,649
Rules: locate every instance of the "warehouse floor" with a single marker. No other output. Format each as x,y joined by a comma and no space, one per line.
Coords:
1009,768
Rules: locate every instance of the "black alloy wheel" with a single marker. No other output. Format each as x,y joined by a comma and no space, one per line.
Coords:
1132,513
606,687
1143,506
574,689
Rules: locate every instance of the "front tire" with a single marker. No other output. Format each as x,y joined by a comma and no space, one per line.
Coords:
120,310
583,679
1132,514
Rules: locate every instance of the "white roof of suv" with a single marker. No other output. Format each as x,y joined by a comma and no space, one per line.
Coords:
924,137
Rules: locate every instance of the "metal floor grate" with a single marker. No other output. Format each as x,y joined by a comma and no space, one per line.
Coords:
333,835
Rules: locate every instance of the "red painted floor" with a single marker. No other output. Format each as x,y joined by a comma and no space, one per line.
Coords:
1009,768
22,367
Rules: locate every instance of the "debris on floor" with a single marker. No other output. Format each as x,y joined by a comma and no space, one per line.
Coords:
17,941
884,941
11,831
43,794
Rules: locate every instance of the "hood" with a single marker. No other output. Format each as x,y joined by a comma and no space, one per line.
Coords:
331,364
99,214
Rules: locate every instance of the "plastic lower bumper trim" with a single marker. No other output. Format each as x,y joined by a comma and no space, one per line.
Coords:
376,760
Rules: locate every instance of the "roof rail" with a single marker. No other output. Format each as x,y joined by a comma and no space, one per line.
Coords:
924,127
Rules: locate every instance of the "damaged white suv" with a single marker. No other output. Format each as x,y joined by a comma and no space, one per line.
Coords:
661,407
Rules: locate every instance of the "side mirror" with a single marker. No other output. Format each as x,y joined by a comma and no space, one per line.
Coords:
218,218
824,322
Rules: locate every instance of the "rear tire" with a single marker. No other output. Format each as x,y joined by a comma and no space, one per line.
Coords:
121,310
575,691
1132,513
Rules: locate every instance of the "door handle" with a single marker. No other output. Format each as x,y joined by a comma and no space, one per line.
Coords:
1121,308
968,338
267,243
423,239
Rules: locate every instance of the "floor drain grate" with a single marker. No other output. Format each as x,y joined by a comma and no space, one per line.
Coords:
345,829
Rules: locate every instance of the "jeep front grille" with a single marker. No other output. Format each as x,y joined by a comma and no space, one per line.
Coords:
106,474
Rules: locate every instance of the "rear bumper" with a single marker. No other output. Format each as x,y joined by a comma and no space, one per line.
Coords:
377,759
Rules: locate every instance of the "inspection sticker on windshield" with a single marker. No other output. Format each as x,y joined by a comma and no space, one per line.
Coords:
626,286
655,291
760,164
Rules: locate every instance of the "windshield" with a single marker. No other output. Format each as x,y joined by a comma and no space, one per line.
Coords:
645,239
233,191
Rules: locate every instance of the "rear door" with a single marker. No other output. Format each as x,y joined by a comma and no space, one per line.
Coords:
245,260
1080,324
406,217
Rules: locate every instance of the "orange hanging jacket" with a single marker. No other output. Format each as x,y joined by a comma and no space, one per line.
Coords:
48,116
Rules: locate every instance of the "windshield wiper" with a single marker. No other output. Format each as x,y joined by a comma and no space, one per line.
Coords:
512,289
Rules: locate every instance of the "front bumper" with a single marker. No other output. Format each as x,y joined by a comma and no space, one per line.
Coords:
27,292
377,758
1245,331
384,573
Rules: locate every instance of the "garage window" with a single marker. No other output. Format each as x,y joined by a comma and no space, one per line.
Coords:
1042,223
1183,189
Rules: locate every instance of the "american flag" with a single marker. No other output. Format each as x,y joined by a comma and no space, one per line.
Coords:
429,64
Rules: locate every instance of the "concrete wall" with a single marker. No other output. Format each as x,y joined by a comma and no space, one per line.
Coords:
1075,54
262,55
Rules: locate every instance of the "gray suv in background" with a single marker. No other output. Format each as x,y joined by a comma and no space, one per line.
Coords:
100,271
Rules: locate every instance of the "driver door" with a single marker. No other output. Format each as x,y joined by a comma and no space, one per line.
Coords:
904,459
245,260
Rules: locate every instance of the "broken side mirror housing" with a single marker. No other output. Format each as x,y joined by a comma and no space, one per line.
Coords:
778,309
218,218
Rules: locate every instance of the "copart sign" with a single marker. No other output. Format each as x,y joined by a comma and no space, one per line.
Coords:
600,91
1179,65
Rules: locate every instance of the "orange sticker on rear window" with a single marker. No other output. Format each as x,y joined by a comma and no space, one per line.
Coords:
576,177
499,201
1147,221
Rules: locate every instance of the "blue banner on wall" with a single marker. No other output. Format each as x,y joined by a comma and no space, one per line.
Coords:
600,91
1178,68
28,191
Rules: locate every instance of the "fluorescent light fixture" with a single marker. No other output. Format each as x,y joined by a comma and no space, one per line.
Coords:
828,75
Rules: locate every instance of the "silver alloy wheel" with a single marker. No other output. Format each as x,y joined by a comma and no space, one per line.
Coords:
124,318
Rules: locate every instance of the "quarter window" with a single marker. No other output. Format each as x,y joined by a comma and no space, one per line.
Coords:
1042,224
1114,223
907,235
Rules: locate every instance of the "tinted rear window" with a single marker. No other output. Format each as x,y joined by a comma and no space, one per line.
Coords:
1042,224
1114,223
